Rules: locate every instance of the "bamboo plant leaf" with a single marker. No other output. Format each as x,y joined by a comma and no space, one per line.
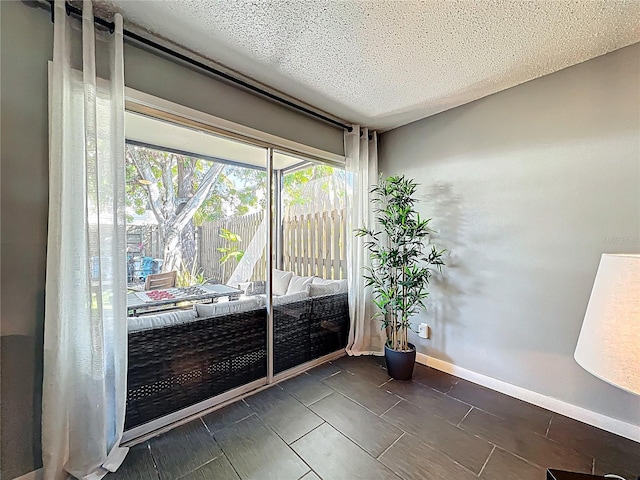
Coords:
402,261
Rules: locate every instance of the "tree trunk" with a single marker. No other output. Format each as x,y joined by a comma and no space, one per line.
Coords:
174,208
186,174
188,244
172,252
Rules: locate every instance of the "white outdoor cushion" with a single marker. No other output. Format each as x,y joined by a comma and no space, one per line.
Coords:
227,308
290,298
159,320
316,290
280,281
299,284
342,284
320,281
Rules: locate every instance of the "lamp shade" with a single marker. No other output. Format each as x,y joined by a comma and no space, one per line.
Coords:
609,342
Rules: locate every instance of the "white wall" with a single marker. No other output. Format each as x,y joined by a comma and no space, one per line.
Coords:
527,188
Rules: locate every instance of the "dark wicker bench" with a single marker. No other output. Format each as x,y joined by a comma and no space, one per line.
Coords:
174,367
310,329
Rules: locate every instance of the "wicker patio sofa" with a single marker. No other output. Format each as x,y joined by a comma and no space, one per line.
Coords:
195,358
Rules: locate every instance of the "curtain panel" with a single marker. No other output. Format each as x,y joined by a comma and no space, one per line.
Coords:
85,337
365,334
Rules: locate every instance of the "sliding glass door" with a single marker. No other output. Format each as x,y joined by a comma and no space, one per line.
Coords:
236,267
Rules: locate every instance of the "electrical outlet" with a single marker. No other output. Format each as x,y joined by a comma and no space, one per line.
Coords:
423,330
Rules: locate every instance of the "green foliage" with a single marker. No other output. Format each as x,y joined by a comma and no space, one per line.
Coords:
231,251
401,263
188,277
296,184
234,194
236,191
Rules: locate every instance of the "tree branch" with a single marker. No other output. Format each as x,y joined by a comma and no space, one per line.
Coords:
144,170
167,180
201,194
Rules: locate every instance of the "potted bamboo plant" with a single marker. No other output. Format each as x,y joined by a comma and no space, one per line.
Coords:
401,266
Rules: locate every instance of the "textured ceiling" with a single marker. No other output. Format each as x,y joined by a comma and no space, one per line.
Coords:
387,63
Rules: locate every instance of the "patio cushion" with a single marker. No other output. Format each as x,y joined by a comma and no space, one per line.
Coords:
280,281
159,320
290,298
299,284
342,284
316,290
226,308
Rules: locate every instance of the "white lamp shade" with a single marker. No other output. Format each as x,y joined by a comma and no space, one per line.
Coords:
609,342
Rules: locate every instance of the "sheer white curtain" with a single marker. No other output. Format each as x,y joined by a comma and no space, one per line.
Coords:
85,344
365,335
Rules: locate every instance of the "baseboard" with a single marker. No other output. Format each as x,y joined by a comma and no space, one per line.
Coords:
598,420
35,475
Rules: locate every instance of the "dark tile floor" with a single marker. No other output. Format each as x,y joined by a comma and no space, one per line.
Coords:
348,420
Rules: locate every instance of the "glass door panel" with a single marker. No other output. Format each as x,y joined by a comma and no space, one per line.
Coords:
311,317
196,211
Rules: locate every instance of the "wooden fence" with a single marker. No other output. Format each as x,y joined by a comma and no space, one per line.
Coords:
144,240
209,240
312,244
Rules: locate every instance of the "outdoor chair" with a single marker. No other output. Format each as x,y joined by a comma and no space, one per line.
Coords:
157,281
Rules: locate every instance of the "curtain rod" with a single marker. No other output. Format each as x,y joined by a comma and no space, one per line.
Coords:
71,10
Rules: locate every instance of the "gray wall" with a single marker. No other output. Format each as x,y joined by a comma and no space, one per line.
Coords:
26,43
527,188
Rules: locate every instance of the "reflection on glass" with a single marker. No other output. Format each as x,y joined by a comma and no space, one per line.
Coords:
311,314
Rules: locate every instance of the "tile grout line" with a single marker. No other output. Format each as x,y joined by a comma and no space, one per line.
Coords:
389,447
424,409
487,460
290,447
153,460
358,446
352,399
525,460
383,384
207,463
465,416
387,410
232,424
287,445
446,394
311,470
232,465
222,454
316,401
206,427
546,434
305,434
593,466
